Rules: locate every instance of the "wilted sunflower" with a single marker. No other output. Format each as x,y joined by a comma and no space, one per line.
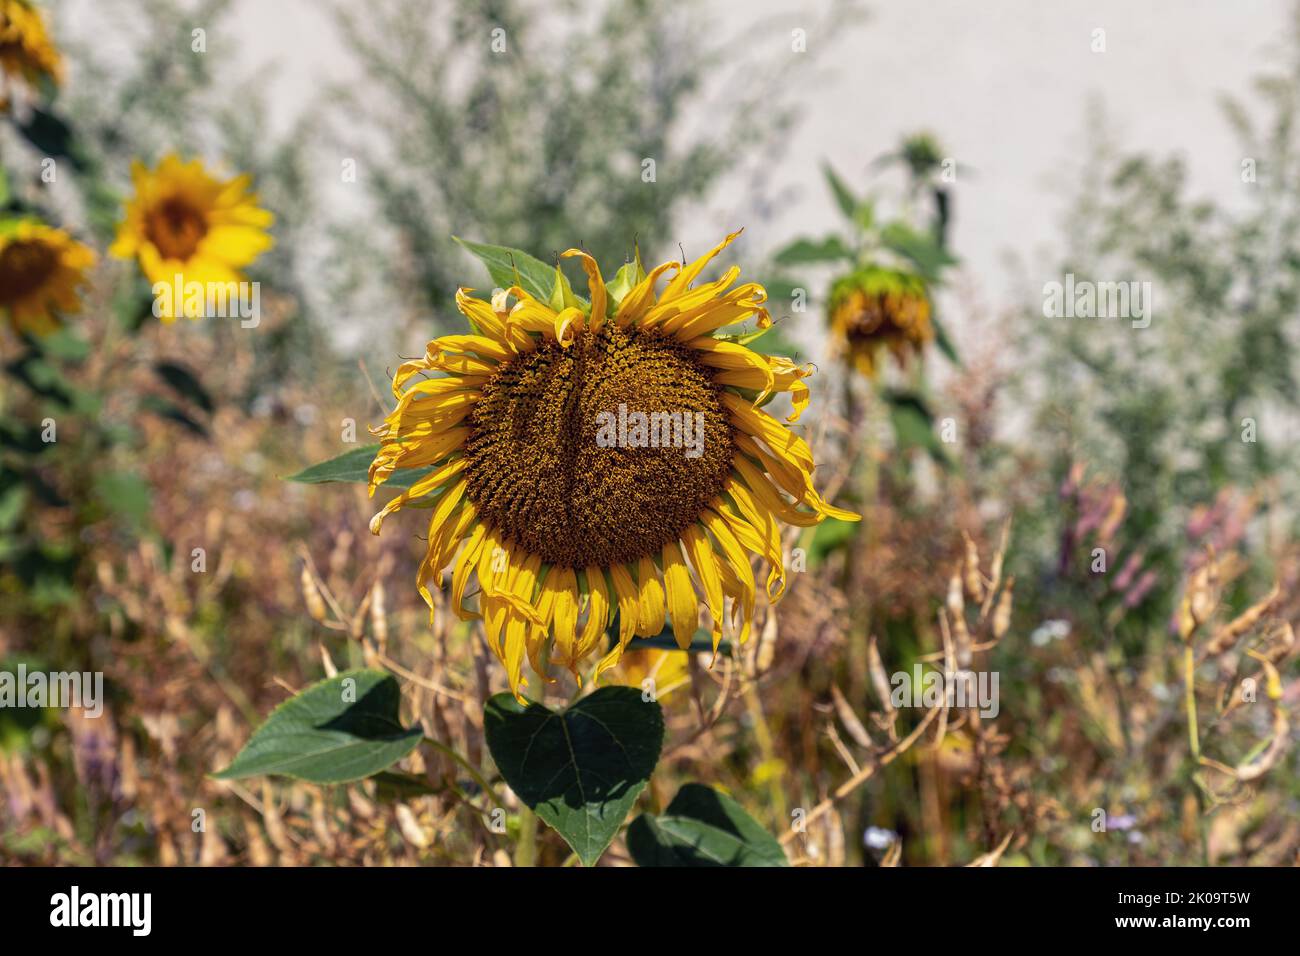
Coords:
27,55
669,670
40,269
560,527
874,308
182,221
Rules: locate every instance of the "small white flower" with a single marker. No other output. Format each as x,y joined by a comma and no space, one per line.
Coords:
878,838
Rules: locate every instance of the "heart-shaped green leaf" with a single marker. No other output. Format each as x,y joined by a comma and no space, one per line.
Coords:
354,466
341,729
702,827
580,770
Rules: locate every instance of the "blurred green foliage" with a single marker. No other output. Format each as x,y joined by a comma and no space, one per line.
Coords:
1170,410
542,142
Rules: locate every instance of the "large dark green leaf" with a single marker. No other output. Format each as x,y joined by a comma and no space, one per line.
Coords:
582,769
354,466
702,827
341,729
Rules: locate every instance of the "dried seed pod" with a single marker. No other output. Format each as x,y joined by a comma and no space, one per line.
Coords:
833,826
1227,635
894,854
1197,603
1203,599
971,570
765,651
956,606
378,615
993,856
410,827
311,594
327,662
879,679
1002,616
1253,769
960,633
849,719
995,574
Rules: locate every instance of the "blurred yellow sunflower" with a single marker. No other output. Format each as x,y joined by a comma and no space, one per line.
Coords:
27,55
876,308
559,499
669,670
184,226
40,269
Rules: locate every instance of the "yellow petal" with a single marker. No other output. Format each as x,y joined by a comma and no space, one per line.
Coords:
650,600
444,538
735,558
642,296
435,478
480,345
628,595
595,285
597,612
687,275
484,318
683,606
465,565
706,569
756,530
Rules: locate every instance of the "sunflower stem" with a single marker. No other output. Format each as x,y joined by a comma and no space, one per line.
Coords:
473,771
763,736
526,852
1194,744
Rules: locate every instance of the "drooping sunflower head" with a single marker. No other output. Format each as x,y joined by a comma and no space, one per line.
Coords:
184,222
876,308
27,54
40,270
597,457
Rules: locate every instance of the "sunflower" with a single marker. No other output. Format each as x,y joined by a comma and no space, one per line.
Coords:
561,528
874,308
27,55
40,269
184,222
669,670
